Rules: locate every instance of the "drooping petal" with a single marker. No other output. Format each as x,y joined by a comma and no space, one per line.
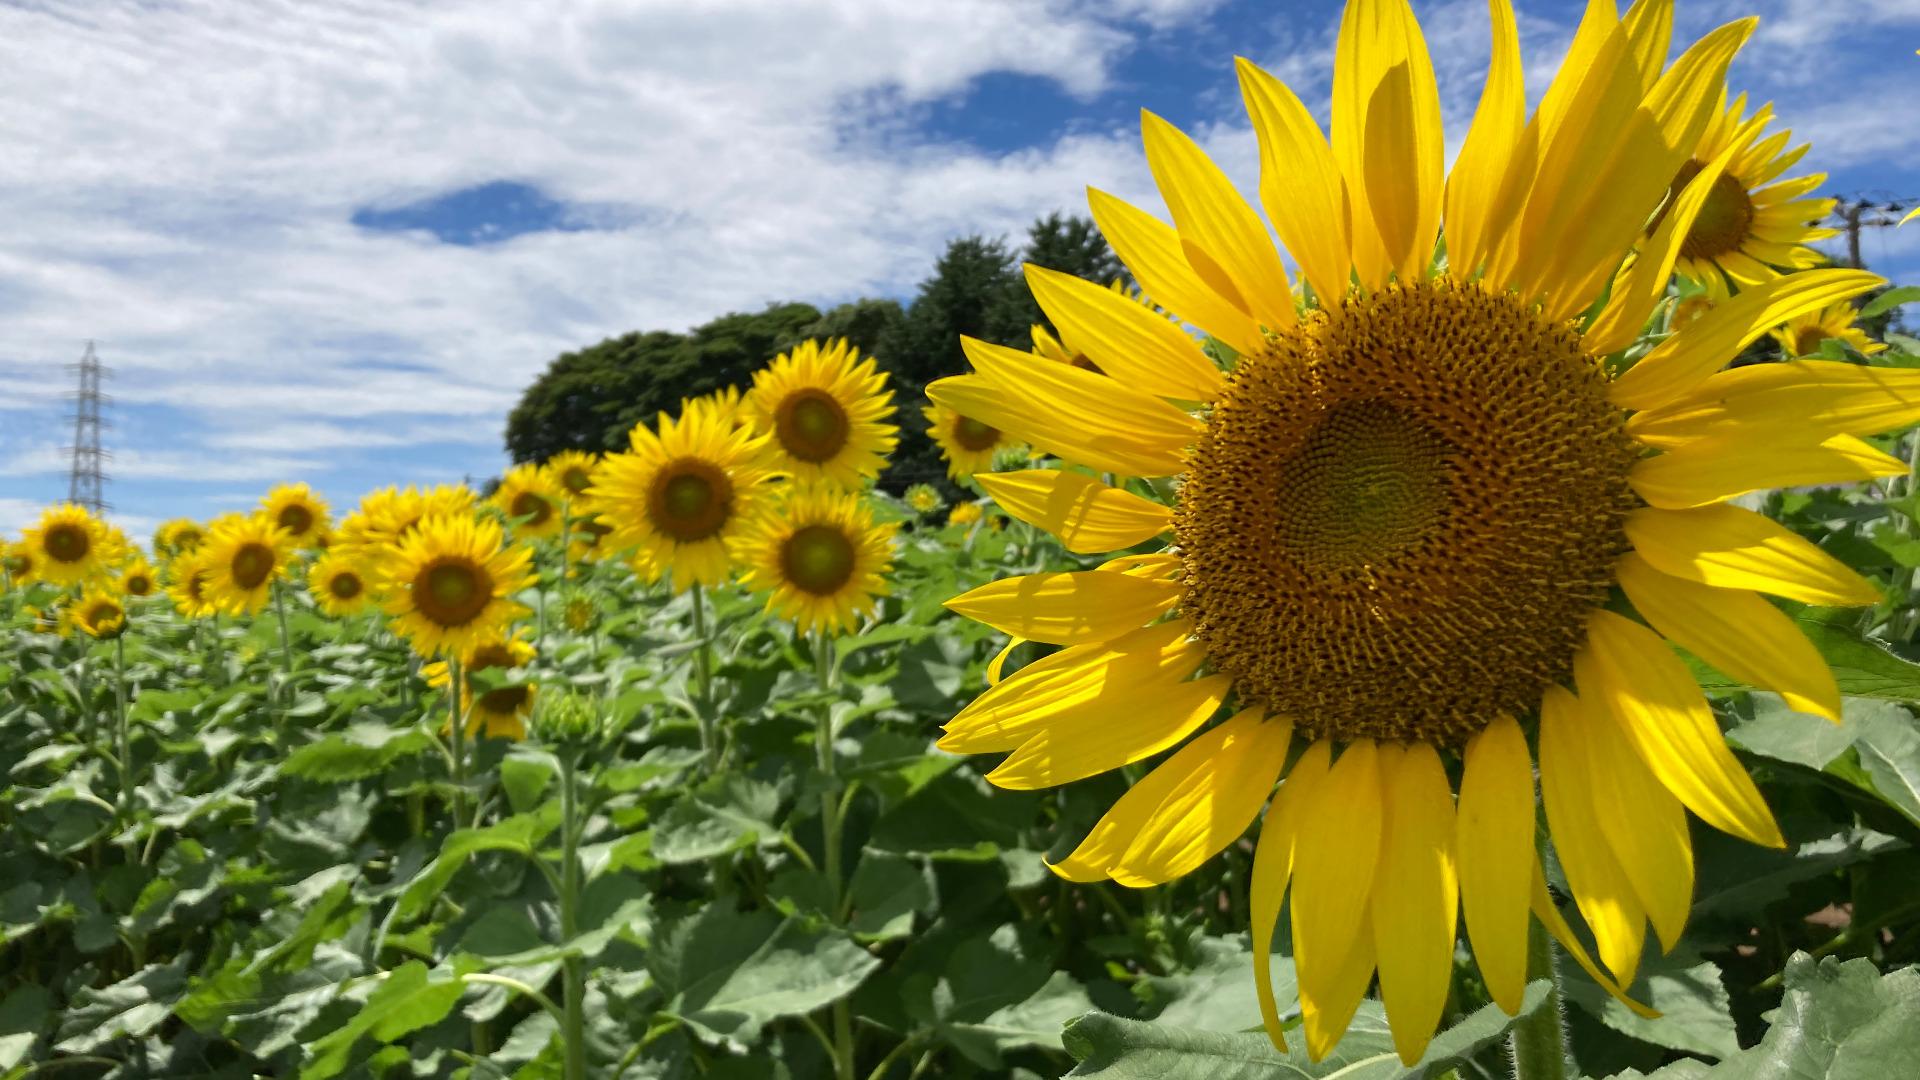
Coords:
1300,183
1272,867
1735,631
1798,398
1712,469
1415,898
1335,855
1114,731
1225,241
1150,248
1730,548
1482,168
1186,810
1495,846
1387,139
1549,915
1600,885
1627,670
1086,515
1130,342
1643,823
1068,608
1680,363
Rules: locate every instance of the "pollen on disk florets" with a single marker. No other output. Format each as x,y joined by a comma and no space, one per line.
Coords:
1402,511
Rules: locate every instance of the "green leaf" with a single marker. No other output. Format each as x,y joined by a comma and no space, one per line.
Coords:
519,834
1218,993
130,1008
702,825
1778,732
731,974
1037,1021
1889,750
887,891
1837,1021
1862,666
1115,1049
24,1013
405,1001
1695,1012
361,751
1892,298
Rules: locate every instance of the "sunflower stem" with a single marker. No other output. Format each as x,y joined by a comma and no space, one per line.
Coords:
457,737
1539,1041
830,835
574,987
124,733
703,676
286,660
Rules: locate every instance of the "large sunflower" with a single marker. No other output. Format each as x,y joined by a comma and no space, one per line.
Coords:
69,545
821,559
1751,227
449,583
532,500
243,554
190,589
968,445
499,713
1402,515
680,494
1805,333
338,585
303,514
827,411
99,614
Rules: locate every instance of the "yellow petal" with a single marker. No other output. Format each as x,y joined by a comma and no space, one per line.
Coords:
1111,729
1627,670
998,664
1482,168
1600,885
1736,632
1643,823
1817,397
1225,242
1415,900
1730,548
1335,855
1071,683
1087,515
1129,341
1188,808
1151,249
1495,845
1300,183
1650,30
1688,97
1708,470
1272,866
1068,608
1387,139
1680,363
1549,915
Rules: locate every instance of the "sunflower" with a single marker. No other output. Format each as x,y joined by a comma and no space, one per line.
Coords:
338,585
137,578
191,590
965,513
99,614
243,554
1805,333
579,613
1750,225
177,537
589,534
69,545
923,499
295,508
821,559
449,584
679,495
51,619
21,563
1401,517
499,713
573,471
386,517
968,444
826,410
532,500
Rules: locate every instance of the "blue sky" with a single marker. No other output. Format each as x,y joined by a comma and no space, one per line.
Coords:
332,242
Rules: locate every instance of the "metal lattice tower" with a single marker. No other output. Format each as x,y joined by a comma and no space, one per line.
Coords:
88,480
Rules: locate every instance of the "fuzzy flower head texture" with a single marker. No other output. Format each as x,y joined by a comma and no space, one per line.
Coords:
1399,523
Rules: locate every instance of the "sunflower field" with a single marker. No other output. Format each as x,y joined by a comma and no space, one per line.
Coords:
1478,644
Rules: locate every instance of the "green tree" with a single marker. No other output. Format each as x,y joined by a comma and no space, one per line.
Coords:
1063,242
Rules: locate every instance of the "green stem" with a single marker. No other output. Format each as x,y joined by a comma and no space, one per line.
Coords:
1539,1041
830,834
457,737
703,677
124,733
1909,614
574,1023
87,723
286,662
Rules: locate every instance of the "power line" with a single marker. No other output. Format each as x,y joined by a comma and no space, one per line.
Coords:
1867,210
87,479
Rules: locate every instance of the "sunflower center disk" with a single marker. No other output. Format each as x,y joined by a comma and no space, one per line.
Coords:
296,520
1401,513
67,543
531,506
811,425
691,500
344,586
452,593
975,435
818,559
1725,219
251,565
